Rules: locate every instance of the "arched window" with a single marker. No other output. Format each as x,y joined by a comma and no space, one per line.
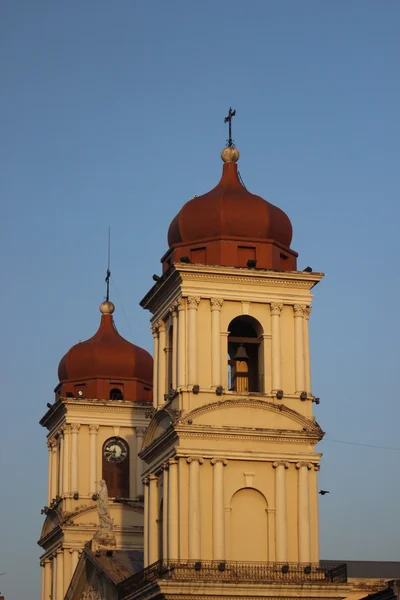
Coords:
116,394
115,467
244,356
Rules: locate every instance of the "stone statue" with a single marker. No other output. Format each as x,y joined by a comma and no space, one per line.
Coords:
104,538
106,523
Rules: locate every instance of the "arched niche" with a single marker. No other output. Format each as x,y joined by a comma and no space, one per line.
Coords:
245,355
249,526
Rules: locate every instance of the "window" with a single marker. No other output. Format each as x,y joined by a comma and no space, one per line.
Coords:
244,354
116,394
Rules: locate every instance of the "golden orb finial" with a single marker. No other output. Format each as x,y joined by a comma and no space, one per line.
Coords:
107,308
230,154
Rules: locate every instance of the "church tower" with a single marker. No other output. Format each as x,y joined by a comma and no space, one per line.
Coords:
95,428
231,467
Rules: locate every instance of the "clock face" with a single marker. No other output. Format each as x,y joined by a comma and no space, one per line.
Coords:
115,450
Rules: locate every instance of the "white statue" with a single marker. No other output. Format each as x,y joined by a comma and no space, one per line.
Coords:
106,523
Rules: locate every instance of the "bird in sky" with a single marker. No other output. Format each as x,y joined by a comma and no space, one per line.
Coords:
323,492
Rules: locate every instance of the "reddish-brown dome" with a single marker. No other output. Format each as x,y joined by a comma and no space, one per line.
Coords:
106,356
230,210
227,214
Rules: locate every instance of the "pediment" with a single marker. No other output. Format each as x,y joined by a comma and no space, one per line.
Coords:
249,413
159,424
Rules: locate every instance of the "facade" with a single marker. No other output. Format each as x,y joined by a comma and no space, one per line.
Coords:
95,430
228,462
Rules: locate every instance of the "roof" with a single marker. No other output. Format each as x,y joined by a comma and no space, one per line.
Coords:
369,568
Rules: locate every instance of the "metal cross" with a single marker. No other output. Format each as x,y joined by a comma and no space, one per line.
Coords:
228,119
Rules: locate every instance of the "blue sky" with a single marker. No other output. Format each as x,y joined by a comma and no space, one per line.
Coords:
112,114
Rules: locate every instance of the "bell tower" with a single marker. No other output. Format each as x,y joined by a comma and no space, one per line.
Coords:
95,429
231,466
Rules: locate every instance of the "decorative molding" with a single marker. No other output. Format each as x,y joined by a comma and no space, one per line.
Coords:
93,429
216,303
248,479
245,308
75,427
193,302
191,459
278,463
276,308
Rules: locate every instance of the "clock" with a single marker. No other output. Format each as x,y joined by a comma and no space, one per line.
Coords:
115,450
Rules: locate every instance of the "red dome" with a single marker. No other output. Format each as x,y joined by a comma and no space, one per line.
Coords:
106,356
230,210
230,213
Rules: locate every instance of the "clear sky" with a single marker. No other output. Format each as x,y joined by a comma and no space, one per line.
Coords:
112,114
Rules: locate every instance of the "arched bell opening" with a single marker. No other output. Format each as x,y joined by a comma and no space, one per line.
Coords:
244,354
115,467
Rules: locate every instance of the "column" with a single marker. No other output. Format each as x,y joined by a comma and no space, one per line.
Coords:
266,386
298,348
61,464
306,339
193,304
60,574
153,519
54,468
74,560
276,310
74,456
280,511
42,588
218,518
54,578
93,430
314,517
304,512
194,519
162,387
47,579
216,305
132,475
49,472
140,431
173,511
165,512
66,459
146,524
154,330
181,342
224,359
174,313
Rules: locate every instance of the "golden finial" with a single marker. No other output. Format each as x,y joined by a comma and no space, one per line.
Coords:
230,154
107,308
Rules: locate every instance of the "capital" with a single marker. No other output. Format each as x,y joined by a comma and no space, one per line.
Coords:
216,460
317,467
307,312
59,550
66,429
276,308
216,303
181,303
193,302
173,309
161,326
172,462
52,443
75,427
280,463
146,481
140,431
298,310
152,477
93,429
154,330
191,459
306,465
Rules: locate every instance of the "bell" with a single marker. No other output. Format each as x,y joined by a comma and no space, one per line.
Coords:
241,353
